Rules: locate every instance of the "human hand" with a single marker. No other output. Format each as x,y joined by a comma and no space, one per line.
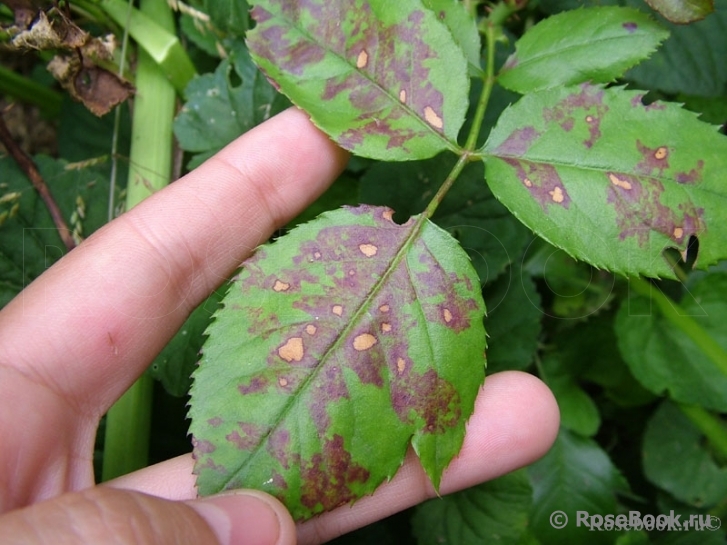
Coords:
75,339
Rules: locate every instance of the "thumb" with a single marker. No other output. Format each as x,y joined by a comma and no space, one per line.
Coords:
108,515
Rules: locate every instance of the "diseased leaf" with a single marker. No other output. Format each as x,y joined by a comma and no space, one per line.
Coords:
675,459
338,345
663,359
683,11
218,110
384,79
609,180
691,61
484,228
592,44
492,512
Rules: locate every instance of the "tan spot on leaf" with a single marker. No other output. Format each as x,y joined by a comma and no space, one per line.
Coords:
363,59
369,250
589,119
388,215
283,382
400,365
317,255
447,315
678,233
557,194
402,95
364,342
661,153
337,310
292,350
433,118
281,286
385,328
311,329
384,308
351,272
618,182
527,182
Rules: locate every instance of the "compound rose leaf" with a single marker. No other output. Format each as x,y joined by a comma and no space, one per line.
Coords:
384,79
610,180
337,346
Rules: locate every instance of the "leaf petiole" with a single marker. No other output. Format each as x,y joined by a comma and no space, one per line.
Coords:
489,83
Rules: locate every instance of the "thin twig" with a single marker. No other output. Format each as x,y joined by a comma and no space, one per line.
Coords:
27,165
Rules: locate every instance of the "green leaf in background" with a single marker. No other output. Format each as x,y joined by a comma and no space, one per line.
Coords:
173,367
463,27
384,79
513,320
675,459
492,512
691,61
491,236
593,44
683,11
578,412
663,359
229,16
609,180
338,345
575,475
218,110
29,241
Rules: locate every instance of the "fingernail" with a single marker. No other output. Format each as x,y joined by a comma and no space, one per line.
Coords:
241,518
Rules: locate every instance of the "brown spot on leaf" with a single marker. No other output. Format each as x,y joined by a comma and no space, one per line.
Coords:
402,96
283,382
364,342
292,350
543,182
384,308
428,396
385,327
586,104
329,477
518,143
250,438
311,329
557,194
281,286
678,233
337,310
215,422
369,250
661,153
363,59
654,160
388,215
447,315
257,384
202,447
400,365
433,118
527,182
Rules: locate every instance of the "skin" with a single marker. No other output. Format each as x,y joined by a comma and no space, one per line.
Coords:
75,339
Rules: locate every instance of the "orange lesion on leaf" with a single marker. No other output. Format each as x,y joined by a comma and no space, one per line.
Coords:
283,382
618,182
337,310
311,329
433,118
292,350
281,286
363,59
384,308
364,342
400,365
402,96
388,215
661,153
527,182
447,315
557,194
369,250
385,327
678,233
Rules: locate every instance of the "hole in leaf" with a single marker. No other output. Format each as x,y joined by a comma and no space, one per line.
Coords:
234,79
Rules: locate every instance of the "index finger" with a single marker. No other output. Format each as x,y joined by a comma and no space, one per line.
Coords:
109,306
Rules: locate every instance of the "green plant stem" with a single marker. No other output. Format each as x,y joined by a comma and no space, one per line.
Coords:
671,311
710,425
451,178
489,83
128,421
30,92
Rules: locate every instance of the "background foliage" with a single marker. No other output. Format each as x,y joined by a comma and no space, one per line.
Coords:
641,403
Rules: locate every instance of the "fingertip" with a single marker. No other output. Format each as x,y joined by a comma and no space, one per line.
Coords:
247,517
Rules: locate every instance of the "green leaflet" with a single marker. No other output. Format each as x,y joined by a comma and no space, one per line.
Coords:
463,27
594,44
337,346
384,79
611,181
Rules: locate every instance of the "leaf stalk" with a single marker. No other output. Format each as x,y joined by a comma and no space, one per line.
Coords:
489,83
